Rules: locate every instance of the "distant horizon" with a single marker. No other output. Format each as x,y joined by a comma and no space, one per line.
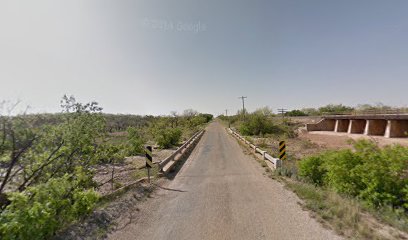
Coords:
27,109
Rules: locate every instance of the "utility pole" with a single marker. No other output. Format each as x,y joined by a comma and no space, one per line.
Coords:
243,104
282,111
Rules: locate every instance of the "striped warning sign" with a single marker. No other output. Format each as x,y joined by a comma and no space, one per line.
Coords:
282,150
149,157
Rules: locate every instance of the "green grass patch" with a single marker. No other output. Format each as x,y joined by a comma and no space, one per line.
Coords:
141,173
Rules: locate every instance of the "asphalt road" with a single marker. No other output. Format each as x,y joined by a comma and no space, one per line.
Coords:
221,193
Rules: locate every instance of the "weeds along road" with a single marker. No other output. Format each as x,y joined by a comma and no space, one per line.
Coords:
221,193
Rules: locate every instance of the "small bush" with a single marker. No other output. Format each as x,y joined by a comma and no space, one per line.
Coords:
296,113
377,176
312,169
341,174
135,140
39,211
258,124
168,137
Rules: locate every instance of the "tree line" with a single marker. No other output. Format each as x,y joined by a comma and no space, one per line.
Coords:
47,161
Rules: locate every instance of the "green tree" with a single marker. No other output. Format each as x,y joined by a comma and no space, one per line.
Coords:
259,123
296,113
335,109
136,141
46,178
312,169
168,137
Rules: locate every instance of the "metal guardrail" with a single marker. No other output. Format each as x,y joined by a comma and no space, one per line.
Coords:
275,161
188,145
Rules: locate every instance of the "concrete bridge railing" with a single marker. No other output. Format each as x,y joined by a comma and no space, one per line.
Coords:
275,161
167,164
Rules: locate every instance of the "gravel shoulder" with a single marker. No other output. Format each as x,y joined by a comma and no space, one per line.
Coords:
221,193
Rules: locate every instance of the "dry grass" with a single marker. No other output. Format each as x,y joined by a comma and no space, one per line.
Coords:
141,173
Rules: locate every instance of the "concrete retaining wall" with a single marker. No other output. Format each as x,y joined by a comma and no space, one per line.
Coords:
323,125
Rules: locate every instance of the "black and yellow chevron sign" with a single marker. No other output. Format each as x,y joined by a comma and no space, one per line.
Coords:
282,150
149,157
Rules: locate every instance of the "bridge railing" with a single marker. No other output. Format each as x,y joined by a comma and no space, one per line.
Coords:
369,112
382,111
167,164
275,161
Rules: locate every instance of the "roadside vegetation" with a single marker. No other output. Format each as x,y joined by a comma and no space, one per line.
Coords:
48,161
361,191
377,178
261,122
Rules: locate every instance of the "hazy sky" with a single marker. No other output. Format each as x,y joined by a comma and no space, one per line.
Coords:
153,57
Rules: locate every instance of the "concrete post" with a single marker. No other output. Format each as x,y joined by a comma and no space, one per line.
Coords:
397,128
350,125
342,125
388,129
367,126
336,126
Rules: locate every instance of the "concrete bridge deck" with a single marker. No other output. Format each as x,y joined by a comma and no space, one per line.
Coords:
387,125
